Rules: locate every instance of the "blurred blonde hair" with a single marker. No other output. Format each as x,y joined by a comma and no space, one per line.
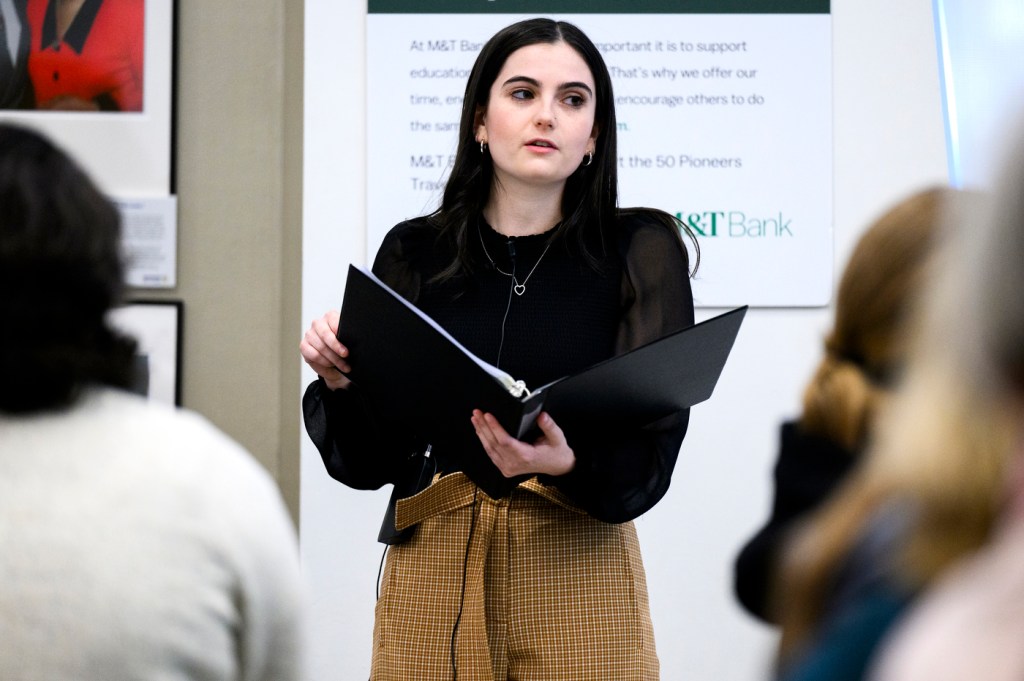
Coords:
942,444
867,344
949,442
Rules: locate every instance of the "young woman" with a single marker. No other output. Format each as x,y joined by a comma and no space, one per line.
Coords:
531,265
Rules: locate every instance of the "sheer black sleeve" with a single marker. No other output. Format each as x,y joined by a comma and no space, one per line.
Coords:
359,445
620,475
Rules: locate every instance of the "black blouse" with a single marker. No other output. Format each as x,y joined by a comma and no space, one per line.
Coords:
568,317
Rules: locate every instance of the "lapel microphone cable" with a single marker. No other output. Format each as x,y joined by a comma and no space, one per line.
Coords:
462,595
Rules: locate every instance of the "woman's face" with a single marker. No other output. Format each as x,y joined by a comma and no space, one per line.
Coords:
539,121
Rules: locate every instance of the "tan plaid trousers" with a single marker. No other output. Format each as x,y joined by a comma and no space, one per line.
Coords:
550,593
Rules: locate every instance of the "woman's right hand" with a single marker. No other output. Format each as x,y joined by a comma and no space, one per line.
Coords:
324,353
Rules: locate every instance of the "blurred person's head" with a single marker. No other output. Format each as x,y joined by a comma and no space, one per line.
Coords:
60,273
937,446
867,346
993,279
956,429
945,446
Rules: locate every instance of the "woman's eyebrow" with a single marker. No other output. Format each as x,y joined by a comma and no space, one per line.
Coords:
522,79
580,85
576,85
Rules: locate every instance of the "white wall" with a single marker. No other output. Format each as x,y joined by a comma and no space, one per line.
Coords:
889,140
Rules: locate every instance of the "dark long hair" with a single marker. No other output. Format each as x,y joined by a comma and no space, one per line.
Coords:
590,199
60,272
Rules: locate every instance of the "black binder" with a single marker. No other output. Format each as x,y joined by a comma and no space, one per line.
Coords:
408,364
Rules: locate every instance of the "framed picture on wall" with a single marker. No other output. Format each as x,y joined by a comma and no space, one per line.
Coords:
96,76
157,327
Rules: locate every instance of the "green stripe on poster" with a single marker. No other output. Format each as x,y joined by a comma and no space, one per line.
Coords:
599,6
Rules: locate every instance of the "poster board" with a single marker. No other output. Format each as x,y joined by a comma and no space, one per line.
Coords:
724,119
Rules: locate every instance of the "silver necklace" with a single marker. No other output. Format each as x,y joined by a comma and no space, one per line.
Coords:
518,286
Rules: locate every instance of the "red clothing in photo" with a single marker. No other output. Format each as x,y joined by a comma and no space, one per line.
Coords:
99,58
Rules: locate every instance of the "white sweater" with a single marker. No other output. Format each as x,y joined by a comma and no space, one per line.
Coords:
139,542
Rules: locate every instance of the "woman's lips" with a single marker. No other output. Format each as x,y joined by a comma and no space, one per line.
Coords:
542,144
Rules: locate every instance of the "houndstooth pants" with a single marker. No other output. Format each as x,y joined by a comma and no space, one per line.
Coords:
522,588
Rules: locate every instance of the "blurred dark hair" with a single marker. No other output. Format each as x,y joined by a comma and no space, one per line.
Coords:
60,273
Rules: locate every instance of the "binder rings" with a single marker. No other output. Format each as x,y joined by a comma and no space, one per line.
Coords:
406,363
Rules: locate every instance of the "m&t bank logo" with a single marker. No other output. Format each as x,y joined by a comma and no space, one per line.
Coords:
737,223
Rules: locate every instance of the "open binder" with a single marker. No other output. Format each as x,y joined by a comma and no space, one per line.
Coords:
405,362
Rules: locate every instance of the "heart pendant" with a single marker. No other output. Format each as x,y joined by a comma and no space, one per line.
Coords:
520,289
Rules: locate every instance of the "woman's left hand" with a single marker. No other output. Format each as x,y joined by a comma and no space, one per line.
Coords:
549,454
